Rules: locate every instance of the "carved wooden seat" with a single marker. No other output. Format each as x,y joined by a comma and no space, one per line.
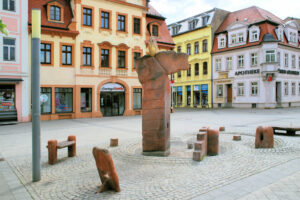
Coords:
53,145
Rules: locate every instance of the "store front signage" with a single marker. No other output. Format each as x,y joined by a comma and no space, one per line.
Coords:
282,71
112,87
196,88
246,72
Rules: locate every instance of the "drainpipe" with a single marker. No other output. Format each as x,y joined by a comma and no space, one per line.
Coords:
212,83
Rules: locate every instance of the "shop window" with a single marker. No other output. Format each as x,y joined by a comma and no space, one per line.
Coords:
87,16
188,95
293,89
9,5
136,55
55,13
105,20
253,59
229,63
179,96
286,88
9,49
205,69
196,69
204,95
137,98
87,56
196,95
270,56
121,59
188,49
219,90
121,23
86,99
63,100
240,61
155,30
254,88
7,98
46,100
179,49
104,57
204,46
240,89
66,55
45,53
196,46
137,26
286,60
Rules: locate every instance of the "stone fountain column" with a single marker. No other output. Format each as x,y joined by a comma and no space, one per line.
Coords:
153,74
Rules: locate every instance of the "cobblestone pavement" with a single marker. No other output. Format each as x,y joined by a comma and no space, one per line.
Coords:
141,177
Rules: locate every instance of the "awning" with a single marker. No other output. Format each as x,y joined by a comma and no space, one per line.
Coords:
10,80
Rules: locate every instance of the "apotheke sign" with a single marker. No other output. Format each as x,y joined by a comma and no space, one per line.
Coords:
247,72
282,71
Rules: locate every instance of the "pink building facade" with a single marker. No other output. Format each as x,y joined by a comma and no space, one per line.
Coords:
14,70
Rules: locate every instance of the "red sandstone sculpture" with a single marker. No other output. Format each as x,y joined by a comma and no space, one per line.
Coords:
200,146
212,142
264,137
114,142
153,74
106,170
222,128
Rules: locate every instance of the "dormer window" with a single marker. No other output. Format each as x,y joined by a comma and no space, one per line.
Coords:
241,37
205,20
55,13
221,41
233,39
254,32
293,37
193,24
154,30
254,36
175,30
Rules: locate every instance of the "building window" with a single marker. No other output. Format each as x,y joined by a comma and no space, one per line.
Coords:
87,56
204,46
293,89
86,99
136,55
241,37
188,72
9,49
137,26
286,60
121,23
233,38
254,88
286,88
229,63
299,89
188,49
104,57
63,100
253,59
55,13
46,100
87,17
105,20
196,47
240,89
205,68
121,59
270,56
219,90
179,49
254,36
196,69
299,62
45,53
137,98
240,61
66,55
175,30
7,98
222,42
9,5
218,64
205,20
155,30
293,61
179,74
279,58
192,24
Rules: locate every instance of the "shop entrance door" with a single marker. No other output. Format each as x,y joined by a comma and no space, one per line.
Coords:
229,93
278,94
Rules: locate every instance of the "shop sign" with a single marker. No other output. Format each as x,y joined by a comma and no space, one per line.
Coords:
112,87
204,87
196,87
247,72
282,71
6,103
179,89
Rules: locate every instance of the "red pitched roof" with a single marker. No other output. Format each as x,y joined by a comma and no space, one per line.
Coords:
252,14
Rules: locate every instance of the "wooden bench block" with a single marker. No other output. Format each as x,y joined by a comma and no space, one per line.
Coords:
236,138
52,152
198,155
114,142
222,128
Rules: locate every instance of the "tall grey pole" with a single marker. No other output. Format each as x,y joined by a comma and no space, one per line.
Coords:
35,94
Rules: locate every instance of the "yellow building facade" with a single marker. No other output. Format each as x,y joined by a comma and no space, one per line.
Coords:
194,36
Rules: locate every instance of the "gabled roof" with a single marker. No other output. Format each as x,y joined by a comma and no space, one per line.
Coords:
249,15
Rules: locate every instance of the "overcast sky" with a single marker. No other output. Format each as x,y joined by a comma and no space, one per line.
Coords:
175,10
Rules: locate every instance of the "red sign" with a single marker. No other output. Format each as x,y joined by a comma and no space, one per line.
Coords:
6,104
270,78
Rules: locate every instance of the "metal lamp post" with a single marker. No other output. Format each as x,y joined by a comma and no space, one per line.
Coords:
35,94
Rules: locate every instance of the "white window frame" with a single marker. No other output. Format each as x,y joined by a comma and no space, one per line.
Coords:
253,59
286,60
233,38
279,57
241,62
269,54
15,2
240,37
254,87
286,88
240,89
220,91
229,63
299,62
218,64
293,61
299,89
9,47
293,88
254,36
